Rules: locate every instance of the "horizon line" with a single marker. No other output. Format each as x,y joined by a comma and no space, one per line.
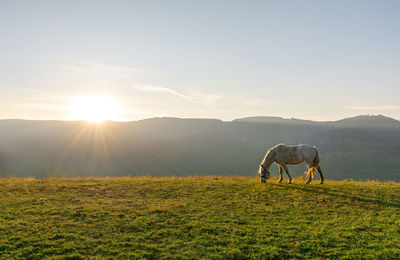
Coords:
200,118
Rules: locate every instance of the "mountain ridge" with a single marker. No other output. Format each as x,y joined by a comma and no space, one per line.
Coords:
256,119
355,148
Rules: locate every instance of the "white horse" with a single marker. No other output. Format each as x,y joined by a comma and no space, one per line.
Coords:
284,155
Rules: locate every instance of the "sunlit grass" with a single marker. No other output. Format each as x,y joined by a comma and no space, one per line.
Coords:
198,217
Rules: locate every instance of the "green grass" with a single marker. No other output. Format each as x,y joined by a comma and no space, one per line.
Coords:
197,217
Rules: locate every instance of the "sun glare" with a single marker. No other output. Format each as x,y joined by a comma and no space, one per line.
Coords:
95,109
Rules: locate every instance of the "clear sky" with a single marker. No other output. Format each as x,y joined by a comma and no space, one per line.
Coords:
320,60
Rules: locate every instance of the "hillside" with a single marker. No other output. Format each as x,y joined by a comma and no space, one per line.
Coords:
362,148
197,217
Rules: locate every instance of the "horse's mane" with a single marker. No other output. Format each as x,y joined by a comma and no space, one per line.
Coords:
268,155
278,145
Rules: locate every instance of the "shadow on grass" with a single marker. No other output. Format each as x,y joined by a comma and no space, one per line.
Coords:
326,190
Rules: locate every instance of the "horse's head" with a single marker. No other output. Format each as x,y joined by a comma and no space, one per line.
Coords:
263,173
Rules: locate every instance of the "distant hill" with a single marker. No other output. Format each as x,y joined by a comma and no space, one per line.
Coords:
368,121
275,120
362,147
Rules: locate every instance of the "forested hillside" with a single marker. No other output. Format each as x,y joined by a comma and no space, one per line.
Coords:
364,147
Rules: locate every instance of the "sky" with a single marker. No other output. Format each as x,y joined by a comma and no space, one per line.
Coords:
317,60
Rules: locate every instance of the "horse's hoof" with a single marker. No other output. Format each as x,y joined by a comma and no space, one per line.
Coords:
279,181
321,183
290,182
308,182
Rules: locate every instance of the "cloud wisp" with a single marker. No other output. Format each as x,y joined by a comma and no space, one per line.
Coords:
195,96
159,89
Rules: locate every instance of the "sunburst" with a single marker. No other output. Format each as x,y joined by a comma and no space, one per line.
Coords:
94,108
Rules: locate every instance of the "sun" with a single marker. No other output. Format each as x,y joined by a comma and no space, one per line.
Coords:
95,109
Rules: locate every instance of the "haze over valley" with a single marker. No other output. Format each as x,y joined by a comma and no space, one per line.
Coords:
362,147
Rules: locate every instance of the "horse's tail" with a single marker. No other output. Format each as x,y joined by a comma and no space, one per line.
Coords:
314,164
310,171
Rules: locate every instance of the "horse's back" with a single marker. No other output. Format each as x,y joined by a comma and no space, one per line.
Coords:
298,147
310,153
295,154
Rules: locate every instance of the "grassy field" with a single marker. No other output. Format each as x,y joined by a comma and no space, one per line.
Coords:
197,217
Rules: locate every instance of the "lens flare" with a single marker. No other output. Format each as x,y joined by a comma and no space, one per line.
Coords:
94,108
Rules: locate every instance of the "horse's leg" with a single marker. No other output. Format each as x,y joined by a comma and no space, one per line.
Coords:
287,172
281,173
320,174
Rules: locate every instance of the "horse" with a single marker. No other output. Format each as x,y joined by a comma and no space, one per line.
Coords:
284,155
